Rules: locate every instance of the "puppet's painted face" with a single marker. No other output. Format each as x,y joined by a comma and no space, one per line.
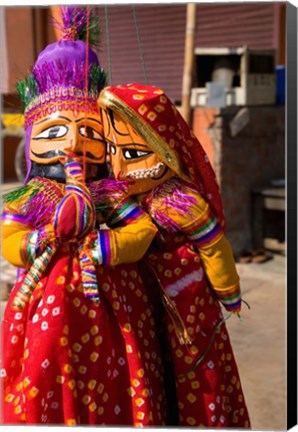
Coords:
131,157
63,130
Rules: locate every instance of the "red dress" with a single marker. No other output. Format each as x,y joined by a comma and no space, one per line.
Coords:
208,387
69,360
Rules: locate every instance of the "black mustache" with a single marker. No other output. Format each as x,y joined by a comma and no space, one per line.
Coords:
55,153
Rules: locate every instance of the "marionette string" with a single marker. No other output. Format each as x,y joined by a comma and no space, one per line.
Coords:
108,45
201,358
140,43
246,304
86,89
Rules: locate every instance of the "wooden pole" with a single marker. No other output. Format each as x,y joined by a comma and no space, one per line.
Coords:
188,60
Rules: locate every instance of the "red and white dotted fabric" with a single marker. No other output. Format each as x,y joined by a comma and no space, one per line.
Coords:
208,386
69,361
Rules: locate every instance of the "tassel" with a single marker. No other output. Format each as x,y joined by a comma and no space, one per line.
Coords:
179,327
79,24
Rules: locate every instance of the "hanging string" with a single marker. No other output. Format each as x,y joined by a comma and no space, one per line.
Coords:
139,43
245,302
86,88
208,347
108,45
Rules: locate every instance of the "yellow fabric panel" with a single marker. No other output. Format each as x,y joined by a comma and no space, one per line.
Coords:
10,227
219,264
130,243
12,238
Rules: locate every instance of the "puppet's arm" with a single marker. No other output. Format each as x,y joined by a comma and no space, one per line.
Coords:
20,243
205,233
125,232
219,264
25,209
24,246
44,213
128,236
13,236
128,240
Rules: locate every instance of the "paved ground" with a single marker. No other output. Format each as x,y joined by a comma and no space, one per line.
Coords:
259,340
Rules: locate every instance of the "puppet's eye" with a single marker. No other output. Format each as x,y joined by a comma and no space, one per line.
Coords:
89,133
112,149
134,154
57,131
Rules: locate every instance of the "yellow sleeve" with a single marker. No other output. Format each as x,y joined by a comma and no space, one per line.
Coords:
220,268
130,243
14,226
219,263
20,241
130,230
13,237
122,245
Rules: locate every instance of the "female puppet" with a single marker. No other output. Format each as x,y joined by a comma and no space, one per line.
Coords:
78,339
171,178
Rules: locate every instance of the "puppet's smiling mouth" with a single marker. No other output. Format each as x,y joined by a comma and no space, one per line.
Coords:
155,173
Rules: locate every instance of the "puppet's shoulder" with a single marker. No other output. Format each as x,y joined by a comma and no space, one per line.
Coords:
175,205
36,187
177,194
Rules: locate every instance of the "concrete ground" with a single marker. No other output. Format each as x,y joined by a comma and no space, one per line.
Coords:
259,340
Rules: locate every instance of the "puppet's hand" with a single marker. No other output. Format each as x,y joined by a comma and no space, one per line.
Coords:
230,297
89,248
75,215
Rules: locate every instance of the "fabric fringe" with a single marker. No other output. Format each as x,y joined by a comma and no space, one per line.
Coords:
18,194
61,74
108,195
41,196
168,195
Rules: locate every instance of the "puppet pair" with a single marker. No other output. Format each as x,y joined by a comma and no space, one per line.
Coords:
123,277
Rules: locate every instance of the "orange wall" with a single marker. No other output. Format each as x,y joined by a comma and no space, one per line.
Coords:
202,119
28,32
19,42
